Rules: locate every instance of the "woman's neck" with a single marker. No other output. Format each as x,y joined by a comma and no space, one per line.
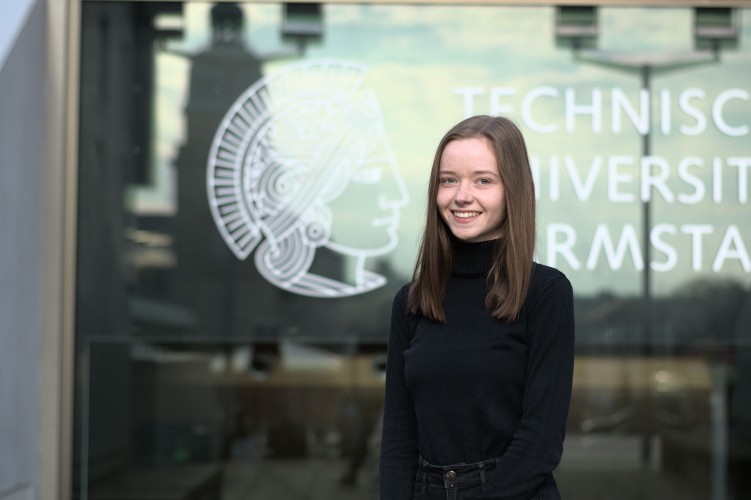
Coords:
472,259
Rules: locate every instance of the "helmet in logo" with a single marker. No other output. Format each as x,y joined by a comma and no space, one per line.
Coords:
291,147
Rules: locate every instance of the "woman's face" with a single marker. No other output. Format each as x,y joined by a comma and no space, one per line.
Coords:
471,197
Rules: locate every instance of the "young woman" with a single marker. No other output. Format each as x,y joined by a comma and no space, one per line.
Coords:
481,348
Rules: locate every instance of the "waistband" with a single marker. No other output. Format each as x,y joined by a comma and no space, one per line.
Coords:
456,474
463,467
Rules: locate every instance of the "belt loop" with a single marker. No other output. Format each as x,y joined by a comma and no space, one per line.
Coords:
482,473
424,483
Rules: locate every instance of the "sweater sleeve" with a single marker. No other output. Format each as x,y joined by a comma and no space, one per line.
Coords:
537,444
399,455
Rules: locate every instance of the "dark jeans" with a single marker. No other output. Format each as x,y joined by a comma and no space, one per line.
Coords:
464,482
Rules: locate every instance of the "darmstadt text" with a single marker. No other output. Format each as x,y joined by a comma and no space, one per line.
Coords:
617,249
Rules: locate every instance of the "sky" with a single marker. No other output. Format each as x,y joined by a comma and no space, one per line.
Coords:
12,21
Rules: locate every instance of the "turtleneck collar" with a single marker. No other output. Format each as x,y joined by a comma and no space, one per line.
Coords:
471,259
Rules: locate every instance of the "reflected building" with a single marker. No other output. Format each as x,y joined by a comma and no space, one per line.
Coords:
312,128
114,153
205,266
250,369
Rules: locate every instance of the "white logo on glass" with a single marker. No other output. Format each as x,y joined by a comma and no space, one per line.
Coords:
293,147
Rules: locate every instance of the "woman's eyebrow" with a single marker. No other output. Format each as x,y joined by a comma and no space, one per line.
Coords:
485,172
473,172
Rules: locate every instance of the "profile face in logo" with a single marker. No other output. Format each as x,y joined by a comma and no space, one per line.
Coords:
301,161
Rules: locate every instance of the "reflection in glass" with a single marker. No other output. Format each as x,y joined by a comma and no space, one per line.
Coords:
201,375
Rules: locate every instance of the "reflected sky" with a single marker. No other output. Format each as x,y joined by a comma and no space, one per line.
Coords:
418,56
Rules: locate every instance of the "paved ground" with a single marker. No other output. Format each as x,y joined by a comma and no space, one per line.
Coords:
609,472
593,468
318,481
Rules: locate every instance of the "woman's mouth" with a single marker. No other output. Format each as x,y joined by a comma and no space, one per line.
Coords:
465,215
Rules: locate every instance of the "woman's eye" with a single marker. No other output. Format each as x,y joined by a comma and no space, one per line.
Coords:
370,175
447,180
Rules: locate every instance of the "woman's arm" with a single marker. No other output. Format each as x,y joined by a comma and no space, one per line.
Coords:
399,454
537,444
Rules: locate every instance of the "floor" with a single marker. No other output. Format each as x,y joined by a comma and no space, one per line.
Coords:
608,468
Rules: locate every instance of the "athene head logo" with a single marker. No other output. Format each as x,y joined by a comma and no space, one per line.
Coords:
291,148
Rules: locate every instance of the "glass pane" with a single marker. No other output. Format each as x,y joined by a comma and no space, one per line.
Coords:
251,195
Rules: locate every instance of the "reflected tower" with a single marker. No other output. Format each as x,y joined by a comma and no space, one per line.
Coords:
208,275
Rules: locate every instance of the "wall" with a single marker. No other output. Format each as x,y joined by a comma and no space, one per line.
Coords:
22,164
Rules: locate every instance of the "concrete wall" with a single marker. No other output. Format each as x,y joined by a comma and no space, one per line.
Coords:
22,166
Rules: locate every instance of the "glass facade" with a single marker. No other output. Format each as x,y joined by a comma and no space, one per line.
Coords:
252,182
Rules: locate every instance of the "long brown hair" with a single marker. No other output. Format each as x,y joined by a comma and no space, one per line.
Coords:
511,271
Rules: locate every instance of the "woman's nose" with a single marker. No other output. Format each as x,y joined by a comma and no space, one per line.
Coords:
463,194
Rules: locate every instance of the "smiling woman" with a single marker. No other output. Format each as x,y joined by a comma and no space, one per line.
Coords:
481,348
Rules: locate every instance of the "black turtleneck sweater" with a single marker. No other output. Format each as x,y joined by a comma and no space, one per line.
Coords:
475,387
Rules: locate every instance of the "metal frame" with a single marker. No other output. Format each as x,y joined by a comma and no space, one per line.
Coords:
611,3
61,146
58,335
